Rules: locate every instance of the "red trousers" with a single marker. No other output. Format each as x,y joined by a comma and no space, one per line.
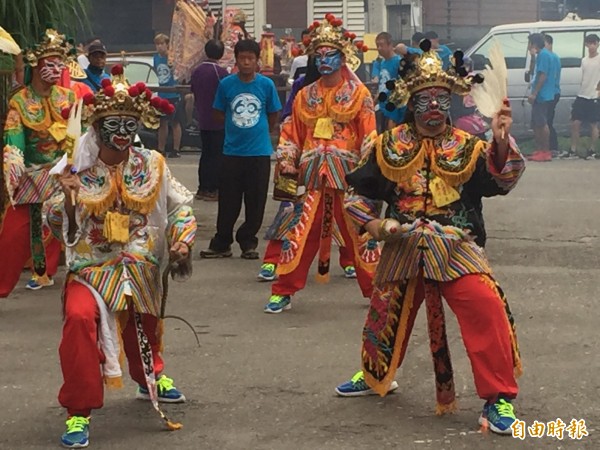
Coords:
81,357
273,252
15,241
483,323
289,284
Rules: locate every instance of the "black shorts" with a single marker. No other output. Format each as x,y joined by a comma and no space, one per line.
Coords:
179,115
586,110
539,114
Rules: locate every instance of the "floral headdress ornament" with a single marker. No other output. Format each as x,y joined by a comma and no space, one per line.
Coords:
118,98
418,72
330,33
52,44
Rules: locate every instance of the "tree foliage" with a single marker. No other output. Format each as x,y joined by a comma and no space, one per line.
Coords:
26,20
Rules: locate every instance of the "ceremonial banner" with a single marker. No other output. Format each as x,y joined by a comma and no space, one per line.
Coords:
188,37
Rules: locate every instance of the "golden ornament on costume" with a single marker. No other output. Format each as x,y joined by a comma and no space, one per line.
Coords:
330,33
118,98
75,70
426,70
53,44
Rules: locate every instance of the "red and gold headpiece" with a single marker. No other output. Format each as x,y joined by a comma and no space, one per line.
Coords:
331,33
118,98
52,44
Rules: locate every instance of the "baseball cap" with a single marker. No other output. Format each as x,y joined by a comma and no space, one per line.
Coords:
418,37
96,46
431,35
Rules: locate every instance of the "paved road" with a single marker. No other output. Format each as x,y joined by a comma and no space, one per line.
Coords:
266,382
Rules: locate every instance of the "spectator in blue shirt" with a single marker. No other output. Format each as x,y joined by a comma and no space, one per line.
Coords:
385,68
166,79
549,42
95,69
249,104
443,51
403,50
543,91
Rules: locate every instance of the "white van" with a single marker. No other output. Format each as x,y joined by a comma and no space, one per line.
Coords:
568,38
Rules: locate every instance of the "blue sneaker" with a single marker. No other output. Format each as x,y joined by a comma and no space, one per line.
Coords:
349,272
278,303
37,282
77,434
167,393
499,416
358,387
267,272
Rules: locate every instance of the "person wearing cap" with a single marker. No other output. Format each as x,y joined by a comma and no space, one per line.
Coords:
443,51
320,143
129,220
34,140
431,175
95,70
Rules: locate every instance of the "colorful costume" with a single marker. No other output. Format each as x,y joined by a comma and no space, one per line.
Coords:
433,186
34,138
323,139
127,216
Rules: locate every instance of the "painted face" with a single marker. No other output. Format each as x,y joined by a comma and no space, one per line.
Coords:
431,106
118,132
328,60
51,69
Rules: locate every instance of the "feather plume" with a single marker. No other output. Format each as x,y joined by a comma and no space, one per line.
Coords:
489,95
7,43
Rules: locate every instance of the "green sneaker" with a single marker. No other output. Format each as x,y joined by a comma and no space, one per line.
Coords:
278,303
499,416
167,392
267,272
77,434
358,387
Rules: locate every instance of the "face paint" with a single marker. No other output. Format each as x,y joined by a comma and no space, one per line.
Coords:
51,69
431,107
118,132
328,60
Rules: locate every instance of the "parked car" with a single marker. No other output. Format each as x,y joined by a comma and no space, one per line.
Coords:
141,68
568,38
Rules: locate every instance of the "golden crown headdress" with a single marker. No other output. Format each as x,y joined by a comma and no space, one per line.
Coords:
118,98
330,33
52,44
418,72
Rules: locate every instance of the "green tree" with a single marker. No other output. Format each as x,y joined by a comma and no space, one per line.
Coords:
26,20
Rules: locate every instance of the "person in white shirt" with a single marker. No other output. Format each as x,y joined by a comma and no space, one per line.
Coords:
586,107
299,64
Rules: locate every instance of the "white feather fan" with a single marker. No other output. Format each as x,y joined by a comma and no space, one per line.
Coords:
489,95
7,43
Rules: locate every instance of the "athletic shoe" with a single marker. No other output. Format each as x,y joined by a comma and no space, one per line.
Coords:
589,155
567,155
540,156
358,387
214,254
167,393
250,254
37,282
278,303
349,272
77,434
174,154
267,272
499,416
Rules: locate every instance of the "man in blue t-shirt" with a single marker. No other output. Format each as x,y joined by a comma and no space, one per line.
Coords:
249,104
543,91
443,51
385,68
557,66
166,79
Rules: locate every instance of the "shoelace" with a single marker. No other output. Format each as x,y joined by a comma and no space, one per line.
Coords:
270,267
505,409
358,377
77,424
164,383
